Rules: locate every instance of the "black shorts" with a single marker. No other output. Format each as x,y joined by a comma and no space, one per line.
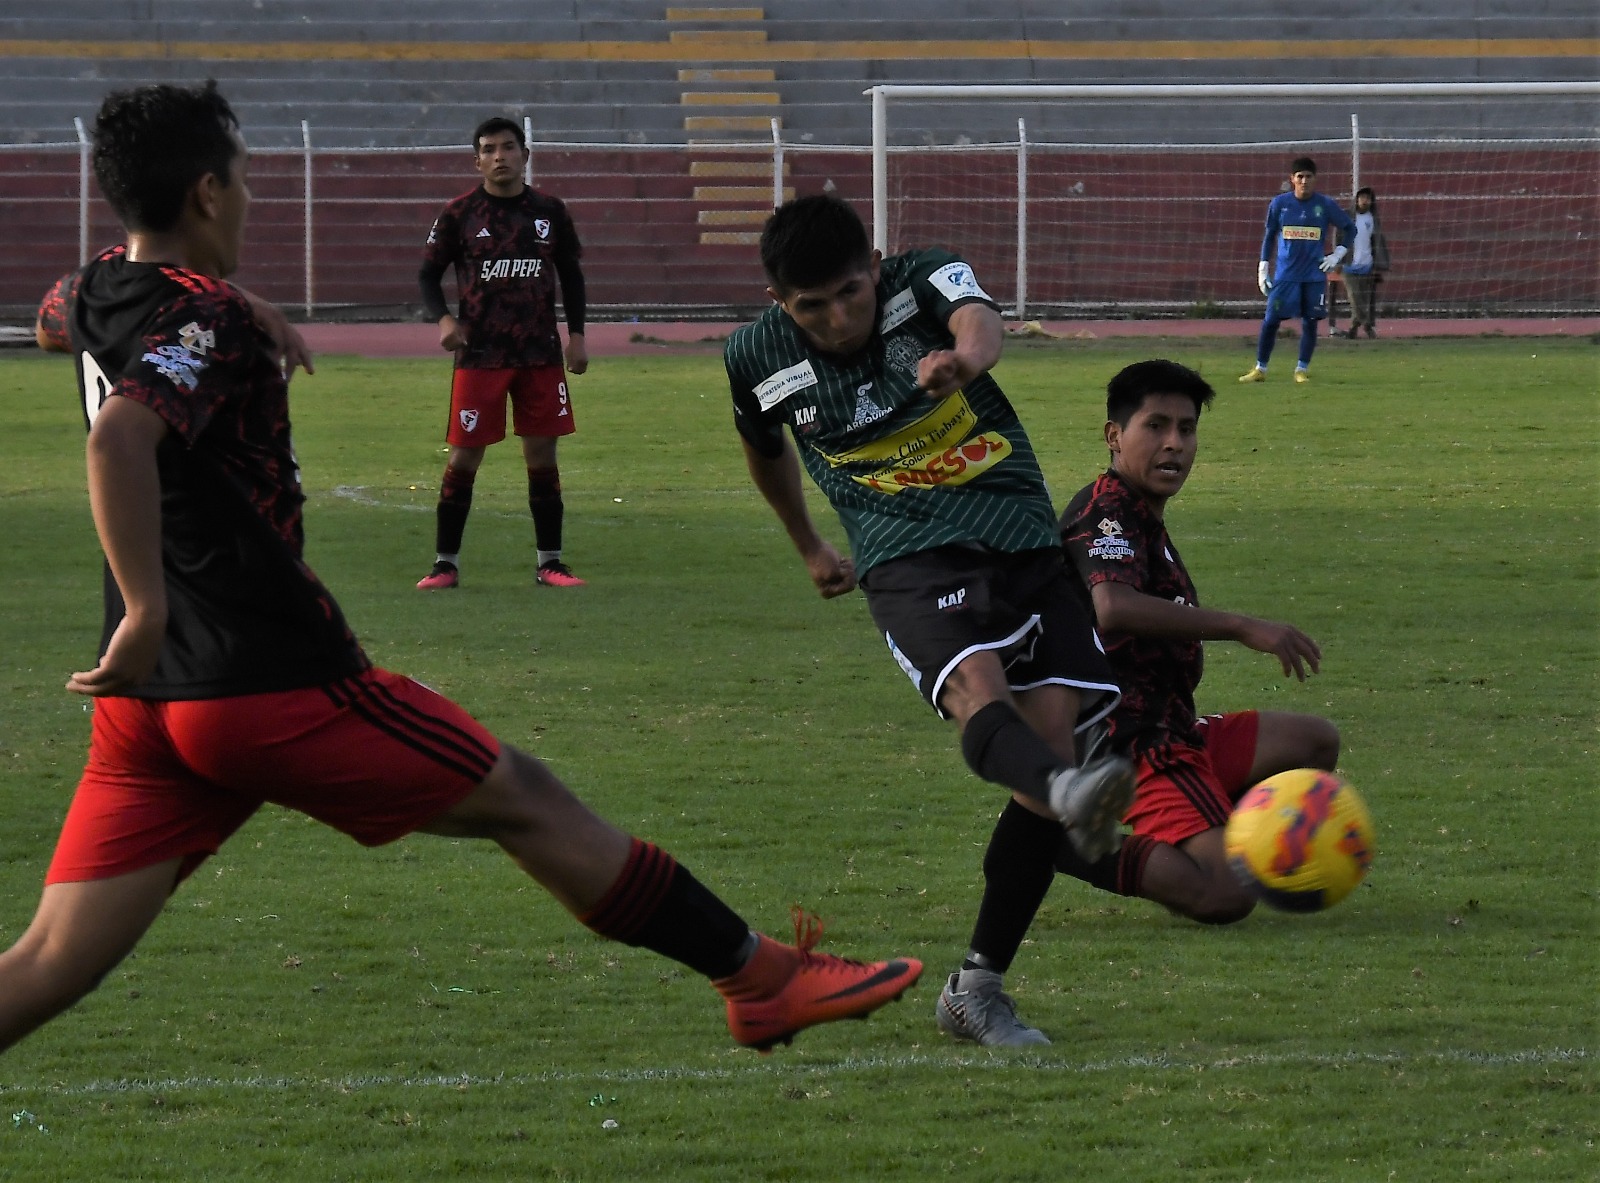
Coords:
937,607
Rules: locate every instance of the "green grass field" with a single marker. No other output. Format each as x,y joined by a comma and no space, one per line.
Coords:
309,1009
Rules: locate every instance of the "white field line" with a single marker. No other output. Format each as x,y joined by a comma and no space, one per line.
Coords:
851,1066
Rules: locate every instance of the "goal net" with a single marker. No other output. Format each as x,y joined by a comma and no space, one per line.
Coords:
1119,202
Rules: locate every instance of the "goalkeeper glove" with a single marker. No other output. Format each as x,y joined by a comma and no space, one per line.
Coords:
1329,262
1262,281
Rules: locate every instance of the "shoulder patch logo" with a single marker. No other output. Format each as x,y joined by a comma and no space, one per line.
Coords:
177,365
1111,544
955,281
197,340
781,385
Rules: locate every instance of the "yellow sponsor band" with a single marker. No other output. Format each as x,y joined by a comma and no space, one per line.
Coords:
941,448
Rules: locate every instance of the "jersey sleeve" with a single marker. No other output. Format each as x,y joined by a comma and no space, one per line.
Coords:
569,273
441,249
943,282
762,430
1101,535
1269,236
52,319
190,356
1346,224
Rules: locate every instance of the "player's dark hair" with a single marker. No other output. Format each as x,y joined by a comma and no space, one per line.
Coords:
153,143
811,241
1126,392
1302,164
493,127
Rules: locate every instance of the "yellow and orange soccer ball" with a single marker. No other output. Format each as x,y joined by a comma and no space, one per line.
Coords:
1301,840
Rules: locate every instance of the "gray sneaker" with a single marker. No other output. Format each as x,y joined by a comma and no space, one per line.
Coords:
972,1006
1090,800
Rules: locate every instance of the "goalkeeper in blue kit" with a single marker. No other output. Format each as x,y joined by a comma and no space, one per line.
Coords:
1297,285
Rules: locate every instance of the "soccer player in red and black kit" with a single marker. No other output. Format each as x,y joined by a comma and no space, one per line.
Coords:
227,676
510,246
1191,770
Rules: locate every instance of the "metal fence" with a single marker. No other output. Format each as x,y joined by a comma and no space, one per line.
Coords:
1476,227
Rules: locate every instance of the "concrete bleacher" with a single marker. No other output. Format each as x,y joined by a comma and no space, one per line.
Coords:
612,70
415,73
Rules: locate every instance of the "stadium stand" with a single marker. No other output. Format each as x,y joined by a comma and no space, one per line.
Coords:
668,210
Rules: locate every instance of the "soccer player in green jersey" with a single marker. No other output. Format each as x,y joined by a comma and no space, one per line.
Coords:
879,368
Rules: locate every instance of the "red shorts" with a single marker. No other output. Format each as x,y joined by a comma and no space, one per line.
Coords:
375,756
539,405
1185,790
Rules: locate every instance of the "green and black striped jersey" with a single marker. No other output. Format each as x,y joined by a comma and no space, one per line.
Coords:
904,472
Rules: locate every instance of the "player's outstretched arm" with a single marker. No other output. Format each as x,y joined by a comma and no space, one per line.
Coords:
778,479
979,337
125,496
1122,608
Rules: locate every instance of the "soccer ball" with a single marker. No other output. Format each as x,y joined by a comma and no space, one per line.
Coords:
1301,840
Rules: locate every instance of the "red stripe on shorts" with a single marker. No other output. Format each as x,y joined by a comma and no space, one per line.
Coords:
440,741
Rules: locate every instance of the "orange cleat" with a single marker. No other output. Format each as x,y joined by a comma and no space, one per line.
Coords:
783,989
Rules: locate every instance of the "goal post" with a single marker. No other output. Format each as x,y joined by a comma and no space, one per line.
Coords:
1148,200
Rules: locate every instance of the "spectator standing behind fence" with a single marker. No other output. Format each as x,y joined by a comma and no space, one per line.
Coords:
511,246
1369,260
1297,224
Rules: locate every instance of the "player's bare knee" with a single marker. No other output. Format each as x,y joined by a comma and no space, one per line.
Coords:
1323,742
1223,908
534,797
518,796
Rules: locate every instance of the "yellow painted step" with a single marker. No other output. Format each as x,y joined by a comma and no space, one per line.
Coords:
733,217
732,168
716,14
730,237
728,123
729,98
750,193
727,75
709,37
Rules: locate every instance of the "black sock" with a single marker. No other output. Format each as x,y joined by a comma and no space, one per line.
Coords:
1121,872
545,504
455,503
1001,747
658,905
1017,870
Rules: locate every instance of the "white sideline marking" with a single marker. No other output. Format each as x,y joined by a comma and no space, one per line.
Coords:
359,495
852,1065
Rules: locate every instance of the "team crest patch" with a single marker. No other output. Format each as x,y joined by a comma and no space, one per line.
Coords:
541,227
903,355
469,420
